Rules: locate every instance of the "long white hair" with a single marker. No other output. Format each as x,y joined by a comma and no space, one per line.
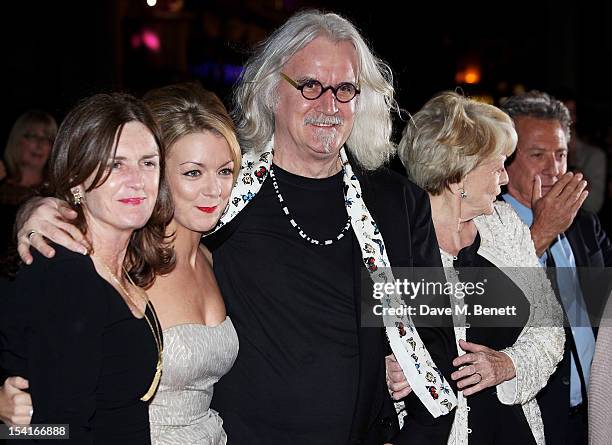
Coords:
255,94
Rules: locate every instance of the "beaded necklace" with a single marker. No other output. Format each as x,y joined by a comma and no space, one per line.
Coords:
303,234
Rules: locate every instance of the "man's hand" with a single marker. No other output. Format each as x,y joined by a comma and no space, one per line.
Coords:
41,218
482,367
555,212
15,404
397,384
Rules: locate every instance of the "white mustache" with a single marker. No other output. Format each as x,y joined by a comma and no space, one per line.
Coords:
323,120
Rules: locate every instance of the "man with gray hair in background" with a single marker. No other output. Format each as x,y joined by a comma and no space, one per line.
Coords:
313,207
571,241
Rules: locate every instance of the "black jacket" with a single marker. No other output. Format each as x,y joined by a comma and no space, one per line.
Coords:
403,214
592,251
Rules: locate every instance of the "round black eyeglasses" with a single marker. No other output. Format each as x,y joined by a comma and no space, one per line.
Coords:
312,89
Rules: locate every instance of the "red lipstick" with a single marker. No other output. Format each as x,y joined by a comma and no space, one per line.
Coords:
132,201
207,209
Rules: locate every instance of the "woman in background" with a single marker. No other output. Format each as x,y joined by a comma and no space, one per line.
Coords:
24,168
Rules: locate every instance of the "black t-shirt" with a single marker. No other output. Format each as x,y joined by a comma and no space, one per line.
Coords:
293,305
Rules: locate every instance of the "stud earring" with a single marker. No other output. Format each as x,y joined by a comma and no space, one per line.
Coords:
77,197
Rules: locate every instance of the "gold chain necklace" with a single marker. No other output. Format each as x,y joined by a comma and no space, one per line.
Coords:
157,335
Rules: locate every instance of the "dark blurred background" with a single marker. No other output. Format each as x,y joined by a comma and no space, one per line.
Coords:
58,52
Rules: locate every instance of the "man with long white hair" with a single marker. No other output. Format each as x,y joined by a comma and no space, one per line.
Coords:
312,208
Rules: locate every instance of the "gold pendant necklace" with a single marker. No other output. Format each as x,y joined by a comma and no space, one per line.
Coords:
157,335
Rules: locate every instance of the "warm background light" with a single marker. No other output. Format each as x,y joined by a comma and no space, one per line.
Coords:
469,75
472,76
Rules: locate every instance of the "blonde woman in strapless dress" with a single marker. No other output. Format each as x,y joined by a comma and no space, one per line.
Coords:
200,343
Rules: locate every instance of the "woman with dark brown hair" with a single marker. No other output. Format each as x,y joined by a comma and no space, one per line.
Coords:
80,328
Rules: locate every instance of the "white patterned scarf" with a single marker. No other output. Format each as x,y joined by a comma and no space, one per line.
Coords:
424,377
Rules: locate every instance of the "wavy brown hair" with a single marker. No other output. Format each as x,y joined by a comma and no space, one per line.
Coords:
86,140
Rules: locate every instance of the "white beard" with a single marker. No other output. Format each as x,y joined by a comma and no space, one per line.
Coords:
327,138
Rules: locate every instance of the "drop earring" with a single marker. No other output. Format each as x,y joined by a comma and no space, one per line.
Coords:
462,193
77,197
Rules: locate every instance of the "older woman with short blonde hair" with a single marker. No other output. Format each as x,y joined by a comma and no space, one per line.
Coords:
450,136
455,149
